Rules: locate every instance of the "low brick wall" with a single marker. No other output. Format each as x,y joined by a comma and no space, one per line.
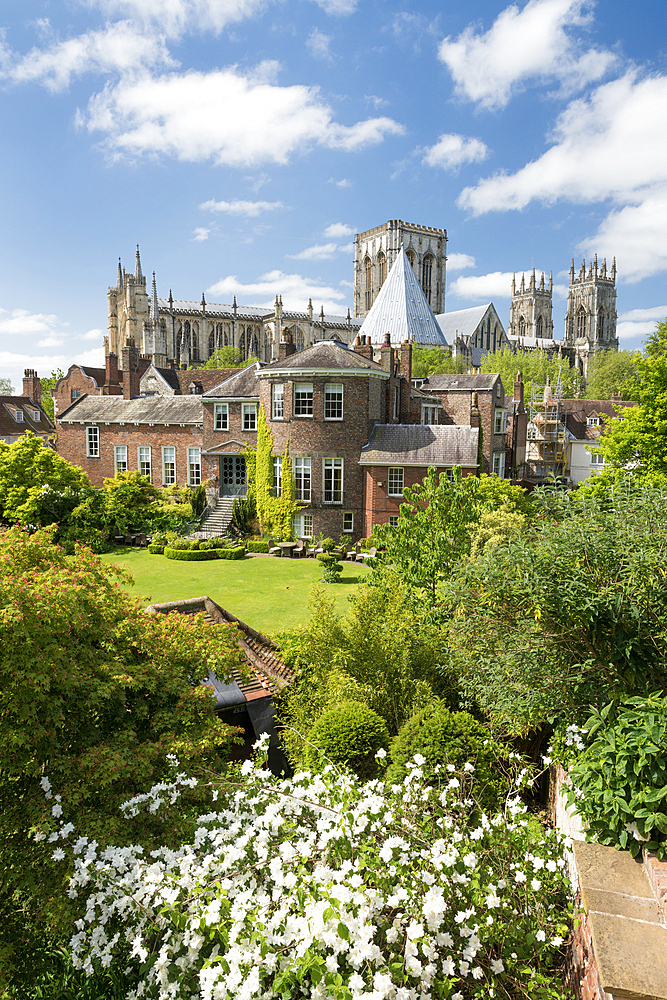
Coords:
582,975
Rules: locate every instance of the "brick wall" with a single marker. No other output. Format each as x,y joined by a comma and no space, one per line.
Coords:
457,407
72,446
378,505
75,379
230,442
581,972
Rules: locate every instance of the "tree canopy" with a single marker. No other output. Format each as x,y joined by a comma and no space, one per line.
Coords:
227,357
611,372
534,366
434,361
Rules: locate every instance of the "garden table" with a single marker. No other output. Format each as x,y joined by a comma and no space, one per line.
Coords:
287,547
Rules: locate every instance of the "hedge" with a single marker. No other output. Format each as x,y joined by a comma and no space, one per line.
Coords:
193,555
349,734
236,553
258,546
157,550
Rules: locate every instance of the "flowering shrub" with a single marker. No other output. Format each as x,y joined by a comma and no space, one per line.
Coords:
327,888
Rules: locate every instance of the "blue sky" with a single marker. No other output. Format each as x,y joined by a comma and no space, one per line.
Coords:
242,143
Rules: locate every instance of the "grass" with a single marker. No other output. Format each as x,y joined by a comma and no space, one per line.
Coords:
269,594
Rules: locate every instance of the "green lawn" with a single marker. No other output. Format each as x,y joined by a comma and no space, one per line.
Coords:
269,594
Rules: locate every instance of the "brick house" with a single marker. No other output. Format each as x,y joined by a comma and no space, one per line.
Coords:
19,414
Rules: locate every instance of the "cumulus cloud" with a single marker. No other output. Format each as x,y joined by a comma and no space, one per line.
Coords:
338,8
635,235
536,42
338,230
13,364
51,342
294,288
451,151
318,43
176,17
229,116
321,251
344,182
118,48
482,287
22,323
639,322
248,209
459,261
201,234
93,335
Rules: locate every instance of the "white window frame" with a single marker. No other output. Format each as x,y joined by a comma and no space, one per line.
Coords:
329,468
348,522
277,475
393,520
303,399
597,458
392,487
498,464
500,422
35,414
18,415
333,401
278,401
194,466
302,525
141,462
249,414
592,421
303,471
220,417
429,416
168,458
92,442
119,458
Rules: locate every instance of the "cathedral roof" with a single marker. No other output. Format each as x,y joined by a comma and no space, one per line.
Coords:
421,445
401,309
462,322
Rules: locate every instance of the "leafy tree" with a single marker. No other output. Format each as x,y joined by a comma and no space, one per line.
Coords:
226,357
6,387
434,361
610,372
93,694
34,479
49,383
495,527
534,366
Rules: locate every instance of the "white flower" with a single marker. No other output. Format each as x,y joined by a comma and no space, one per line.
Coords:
415,930
39,836
463,968
497,966
552,866
381,753
448,966
470,860
519,876
453,783
541,936
557,942
477,972
458,996
450,767
633,829
419,759
57,810
535,884
468,767
58,854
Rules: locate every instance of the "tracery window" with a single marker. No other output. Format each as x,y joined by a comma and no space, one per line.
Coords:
368,283
600,324
211,343
581,322
522,326
410,254
296,334
382,269
427,270
539,327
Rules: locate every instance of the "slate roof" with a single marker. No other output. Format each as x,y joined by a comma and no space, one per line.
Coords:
458,383
327,355
12,428
241,385
577,411
140,410
416,444
402,310
268,673
461,322
179,379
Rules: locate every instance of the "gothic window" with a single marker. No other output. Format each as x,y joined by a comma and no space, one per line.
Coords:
427,271
297,337
581,322
600,324
179,342
522,326
539,327
382,269
410,254
211,343
368,283
186,332
194,343
163,327
242,342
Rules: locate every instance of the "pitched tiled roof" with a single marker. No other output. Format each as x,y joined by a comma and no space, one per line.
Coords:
267,671
328,355
241,385
11,406
179,379
415,444
402,310
458,383
577,411
140,410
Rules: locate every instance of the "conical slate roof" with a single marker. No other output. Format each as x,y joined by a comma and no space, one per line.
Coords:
401,310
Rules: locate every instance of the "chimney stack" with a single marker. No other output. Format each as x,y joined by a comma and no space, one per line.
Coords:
387,354
32,386
475,416
130,358
518,390
286,347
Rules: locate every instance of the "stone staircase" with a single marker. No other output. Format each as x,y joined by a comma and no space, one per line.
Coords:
219,518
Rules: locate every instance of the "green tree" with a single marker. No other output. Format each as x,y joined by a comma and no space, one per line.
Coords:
610,372
226,357
6,387
49,383
94,693
534,366
434,361
35,482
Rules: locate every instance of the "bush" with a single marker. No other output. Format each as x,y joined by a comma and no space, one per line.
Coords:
620,779
214,543
190,555
331,568
253,546
328,544
236,553
198,501
156,550
349,734
444,738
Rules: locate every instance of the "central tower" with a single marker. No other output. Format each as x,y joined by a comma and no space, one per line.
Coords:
376,250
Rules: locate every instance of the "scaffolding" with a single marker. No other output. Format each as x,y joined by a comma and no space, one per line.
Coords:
546,444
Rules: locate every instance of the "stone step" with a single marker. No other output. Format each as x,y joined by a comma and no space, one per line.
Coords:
219,519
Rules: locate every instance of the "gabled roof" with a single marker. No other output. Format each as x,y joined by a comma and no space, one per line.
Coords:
402,310
11,427
577,411
242,384
422,445
327,356
458,383
140,410
462,322
179,379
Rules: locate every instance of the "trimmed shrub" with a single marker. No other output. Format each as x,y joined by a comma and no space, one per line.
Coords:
191,555
328,544
236,553
156,550
215,543
444,737
257,546
349,735
331,569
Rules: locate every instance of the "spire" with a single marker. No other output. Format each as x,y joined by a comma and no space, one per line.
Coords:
203,303
551,281
572,272
542,282
153,308
523,283
119,278
234,306
595,265
137,267
532,281
402,308
171,300
514,283
613,270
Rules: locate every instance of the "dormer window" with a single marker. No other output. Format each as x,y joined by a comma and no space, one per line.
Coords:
593,422
18,415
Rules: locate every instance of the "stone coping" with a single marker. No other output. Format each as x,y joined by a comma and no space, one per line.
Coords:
626,920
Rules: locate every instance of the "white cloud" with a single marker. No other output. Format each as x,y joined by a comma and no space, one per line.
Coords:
533,43
294,288
118,48
338,8
229,116
635,235
637,323
459,261
12,365
248,209
318,43
321,251
344,182
176,17
51,342
201,234
377,102
338,230
451,151
483,287
93,335
655,313
24,324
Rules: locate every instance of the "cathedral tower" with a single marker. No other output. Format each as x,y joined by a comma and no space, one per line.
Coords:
128,309
530,310
590,324
376,250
